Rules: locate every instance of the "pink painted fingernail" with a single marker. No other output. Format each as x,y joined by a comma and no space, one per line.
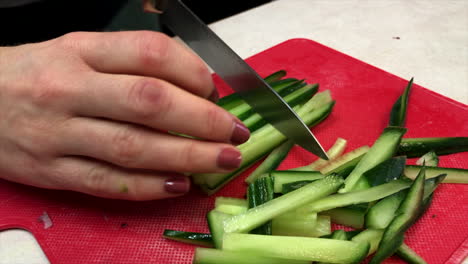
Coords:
214,96
177,184
229,158
240,134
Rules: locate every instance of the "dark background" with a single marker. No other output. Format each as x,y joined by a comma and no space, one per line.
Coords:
52,18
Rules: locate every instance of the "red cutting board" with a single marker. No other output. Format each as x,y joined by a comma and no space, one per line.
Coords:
93,230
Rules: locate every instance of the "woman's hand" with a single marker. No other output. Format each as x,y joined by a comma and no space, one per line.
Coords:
90,112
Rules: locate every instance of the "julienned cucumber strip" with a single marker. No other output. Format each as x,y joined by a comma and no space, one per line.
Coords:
298,248
352,217
276,76
347,160
232,206
215,223
429,159
257,216
406,214
389,170
371,236
384,148
302,226
398,114
283,177
356,197
272,161
253,150
258,193
216,256
194,238
408,255
334,152
416,147
454,175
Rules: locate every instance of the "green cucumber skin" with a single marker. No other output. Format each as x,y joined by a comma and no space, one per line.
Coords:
257,216
454,175
298,248
200,239
398,113
371,236
276,76
417,147
258,193
382,213
356,197
383,148
216,256
406,215
389,170
284,177
409,255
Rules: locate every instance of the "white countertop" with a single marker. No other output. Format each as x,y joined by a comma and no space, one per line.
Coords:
432,47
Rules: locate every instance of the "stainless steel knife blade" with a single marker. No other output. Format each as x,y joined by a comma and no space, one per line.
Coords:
236,72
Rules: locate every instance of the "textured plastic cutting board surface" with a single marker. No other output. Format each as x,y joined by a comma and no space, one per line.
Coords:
92,230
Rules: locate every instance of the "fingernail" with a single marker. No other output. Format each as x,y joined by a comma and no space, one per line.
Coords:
229,158
214,96
240,134
177,184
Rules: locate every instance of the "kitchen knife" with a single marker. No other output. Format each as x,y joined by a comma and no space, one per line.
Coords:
235,72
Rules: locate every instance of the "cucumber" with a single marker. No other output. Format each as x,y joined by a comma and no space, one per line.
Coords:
216,256
309,225
276,76
382,213
229,205
398,113
272,161
346,161
454,175
389,170
371,236
353,217
253,150
257,216
384,148
408,255
284,177
215,224
289,187
356,197
406,214
416,147
338,235
298,248
258,193
193,238
429,159
334,152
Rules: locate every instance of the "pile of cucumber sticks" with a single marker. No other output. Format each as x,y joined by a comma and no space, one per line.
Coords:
287,215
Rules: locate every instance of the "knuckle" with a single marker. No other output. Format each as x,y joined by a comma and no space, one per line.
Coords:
149,100
96,179
72,40
48,89
214,118
186,157
153,48
126,147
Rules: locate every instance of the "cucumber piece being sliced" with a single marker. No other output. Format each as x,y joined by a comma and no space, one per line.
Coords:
216,256
334,152
257,216
194,238
299,248
383,148
347,161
